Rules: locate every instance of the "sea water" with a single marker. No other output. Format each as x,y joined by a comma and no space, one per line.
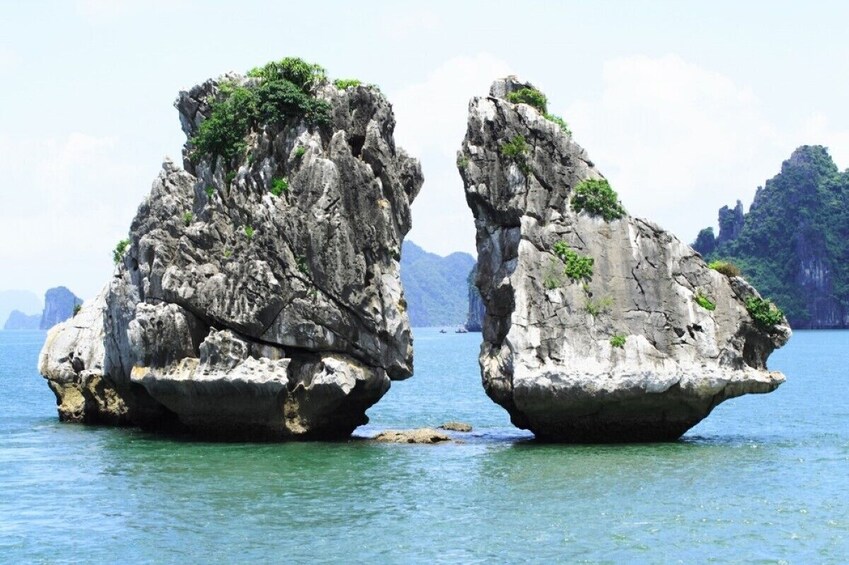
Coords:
765,478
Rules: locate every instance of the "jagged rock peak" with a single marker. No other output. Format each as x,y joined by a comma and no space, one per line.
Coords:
59,305
598,326
258,294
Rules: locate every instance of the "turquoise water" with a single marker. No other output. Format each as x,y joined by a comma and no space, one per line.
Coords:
765,478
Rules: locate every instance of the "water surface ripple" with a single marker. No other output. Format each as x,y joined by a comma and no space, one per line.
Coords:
763,479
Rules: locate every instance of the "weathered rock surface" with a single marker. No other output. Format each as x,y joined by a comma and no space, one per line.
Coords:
59,305
420,435
477,310
456,427
238,313
547,355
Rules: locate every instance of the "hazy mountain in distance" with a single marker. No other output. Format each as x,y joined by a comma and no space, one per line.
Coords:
23,300
435,287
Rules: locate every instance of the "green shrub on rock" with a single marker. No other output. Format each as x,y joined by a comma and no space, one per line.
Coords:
705,302
280,186
120,249
577,266
564,127
597,198
764,312
517,150
531,97
725,267
283,90
345,83
618,340
595,307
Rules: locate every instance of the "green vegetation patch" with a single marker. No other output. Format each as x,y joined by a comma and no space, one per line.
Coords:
530,96
517,150
597,198
705,302
210,191
300,151
283,90
249,232
764,312
344,83
727,268
618,340
598,306
560,122
120,249
187,218
280,186
577,266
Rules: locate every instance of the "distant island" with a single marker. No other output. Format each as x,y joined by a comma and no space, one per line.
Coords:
793,244
59,305
436,288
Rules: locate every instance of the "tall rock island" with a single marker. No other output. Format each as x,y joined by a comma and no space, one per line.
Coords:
598,326
258,294
792,242
59,305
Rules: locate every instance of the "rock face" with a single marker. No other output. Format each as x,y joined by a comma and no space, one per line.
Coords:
477,311
59,305
17,320
626,353
421,435
259,295
792,243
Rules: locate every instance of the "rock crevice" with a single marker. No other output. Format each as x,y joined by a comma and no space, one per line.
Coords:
603,356
259,295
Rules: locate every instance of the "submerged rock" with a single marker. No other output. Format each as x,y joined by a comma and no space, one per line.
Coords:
259,293
420,435
456,427
595,329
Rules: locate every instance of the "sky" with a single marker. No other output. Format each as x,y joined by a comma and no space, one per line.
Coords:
683,106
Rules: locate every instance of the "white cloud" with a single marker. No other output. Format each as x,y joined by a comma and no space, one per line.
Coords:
431,117
678,141
64,204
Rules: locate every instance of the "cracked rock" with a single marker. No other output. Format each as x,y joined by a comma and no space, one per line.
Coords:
237,312
626,354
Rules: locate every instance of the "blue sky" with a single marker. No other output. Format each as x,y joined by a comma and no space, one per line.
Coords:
684,106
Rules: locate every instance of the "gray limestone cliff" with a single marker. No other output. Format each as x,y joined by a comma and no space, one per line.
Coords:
477,311
259,293
792,242
596,329
59,304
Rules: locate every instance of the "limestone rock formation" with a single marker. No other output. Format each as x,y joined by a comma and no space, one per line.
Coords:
259,293
420,435
595,329
17,320
59,304
477,311
792,242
